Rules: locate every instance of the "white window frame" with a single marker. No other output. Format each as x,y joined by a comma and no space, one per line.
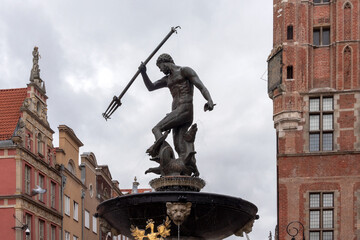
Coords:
52,194
52,232
76,211
41,230
321,209
94,224
67,235
67,205
42,185
87,219
27,179
28,221
321,113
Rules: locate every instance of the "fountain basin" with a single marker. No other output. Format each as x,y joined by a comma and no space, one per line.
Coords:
213,216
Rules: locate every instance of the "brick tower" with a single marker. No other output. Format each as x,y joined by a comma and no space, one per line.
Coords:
314,82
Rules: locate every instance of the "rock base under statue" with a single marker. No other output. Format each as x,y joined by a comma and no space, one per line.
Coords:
177,183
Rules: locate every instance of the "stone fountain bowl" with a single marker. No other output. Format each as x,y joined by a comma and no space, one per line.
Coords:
213,216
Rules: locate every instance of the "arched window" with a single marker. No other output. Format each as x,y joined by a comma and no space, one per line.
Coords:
71,166
347,21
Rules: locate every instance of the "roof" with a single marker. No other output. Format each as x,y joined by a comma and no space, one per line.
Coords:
71,133
140,190
10,102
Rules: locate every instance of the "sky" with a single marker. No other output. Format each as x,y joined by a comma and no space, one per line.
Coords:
91,49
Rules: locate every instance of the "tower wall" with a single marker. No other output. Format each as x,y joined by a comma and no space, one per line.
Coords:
316,101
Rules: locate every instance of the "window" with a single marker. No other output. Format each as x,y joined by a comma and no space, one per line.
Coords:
40,144
321,36
41,184
91,190
71,167
38,108
67,206
53,233
87,219
75,238
321,124
53,195
94,223
27,179
28,221
76,211
41,230
67,235
289,72
28,141
321,1
290,32
321,216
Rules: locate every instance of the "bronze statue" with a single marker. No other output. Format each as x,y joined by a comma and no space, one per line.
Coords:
181,82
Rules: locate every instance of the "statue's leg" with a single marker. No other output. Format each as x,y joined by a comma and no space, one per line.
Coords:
179,142
183,114
180,118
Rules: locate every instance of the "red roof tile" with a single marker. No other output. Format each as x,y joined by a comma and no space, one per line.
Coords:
10,103
140,190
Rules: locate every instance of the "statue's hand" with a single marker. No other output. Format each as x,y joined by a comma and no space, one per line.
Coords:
209,106
142,68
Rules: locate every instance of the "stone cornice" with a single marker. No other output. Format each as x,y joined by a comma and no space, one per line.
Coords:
320,154
35,203
71,133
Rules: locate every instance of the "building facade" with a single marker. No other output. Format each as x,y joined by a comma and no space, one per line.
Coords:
85,185
73,189
46,192
28,163
314,82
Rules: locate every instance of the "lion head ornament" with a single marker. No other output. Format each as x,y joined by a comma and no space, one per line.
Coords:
178,212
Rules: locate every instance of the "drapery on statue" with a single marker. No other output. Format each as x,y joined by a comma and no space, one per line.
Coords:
181,82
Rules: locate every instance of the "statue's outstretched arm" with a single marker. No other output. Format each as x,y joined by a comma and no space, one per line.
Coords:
190,74
151,86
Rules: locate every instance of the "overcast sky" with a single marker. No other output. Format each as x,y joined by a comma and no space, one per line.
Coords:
91,49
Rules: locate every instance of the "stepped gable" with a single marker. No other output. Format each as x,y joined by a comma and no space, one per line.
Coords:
10,102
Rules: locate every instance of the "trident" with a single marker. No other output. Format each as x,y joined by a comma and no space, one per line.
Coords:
115,103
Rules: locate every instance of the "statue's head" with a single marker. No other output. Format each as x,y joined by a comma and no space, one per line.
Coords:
178,211
164,58
163,62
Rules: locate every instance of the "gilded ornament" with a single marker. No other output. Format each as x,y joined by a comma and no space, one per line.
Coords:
163,231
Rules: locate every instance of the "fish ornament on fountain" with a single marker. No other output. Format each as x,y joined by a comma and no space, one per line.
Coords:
196,215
